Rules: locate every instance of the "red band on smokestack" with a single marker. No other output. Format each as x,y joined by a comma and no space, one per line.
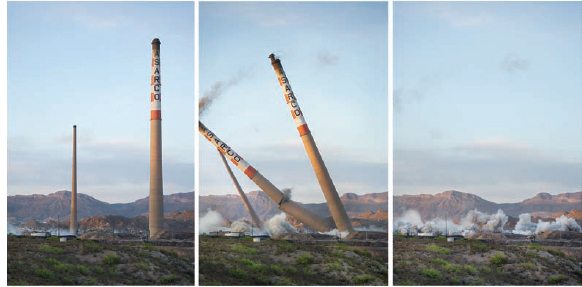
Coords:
156,115
250,171
303,129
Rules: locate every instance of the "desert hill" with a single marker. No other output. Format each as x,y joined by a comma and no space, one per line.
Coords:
22,208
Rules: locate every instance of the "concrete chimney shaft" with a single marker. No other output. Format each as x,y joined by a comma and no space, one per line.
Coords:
156,219
73,224
334,203
256,221
286,205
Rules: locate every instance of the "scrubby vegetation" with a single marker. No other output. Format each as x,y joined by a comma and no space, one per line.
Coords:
278,262
84,262
472,262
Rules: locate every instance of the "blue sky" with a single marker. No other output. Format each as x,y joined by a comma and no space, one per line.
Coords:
488,98
88,63
335,56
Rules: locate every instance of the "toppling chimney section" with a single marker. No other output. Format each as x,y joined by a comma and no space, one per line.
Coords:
334,203
156,220
286,205
256,221
73,224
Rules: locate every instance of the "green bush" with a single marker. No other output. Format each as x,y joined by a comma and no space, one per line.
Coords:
557,252
304,259
244,249
53,261
529,265
111,259
169,279
440,261
454,268
470,269
98,269
363,279
440,238
477,246
237,273
498,259
557,279
50,249
168,252
91,247
246,261
439,249
432,273
338,254
44,273
65,268
535,246
277,269
84,270
334,265
484,269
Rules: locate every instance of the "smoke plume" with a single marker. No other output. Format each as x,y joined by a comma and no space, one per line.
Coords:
216,90
211,221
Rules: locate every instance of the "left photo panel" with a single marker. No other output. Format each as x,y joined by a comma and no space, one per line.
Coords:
100,181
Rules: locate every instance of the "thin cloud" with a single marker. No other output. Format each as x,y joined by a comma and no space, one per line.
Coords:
460,17
325,58
512,63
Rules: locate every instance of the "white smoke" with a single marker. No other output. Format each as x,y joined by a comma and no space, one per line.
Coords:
525,226
277,224
240,226
10,228
211,221
561,223
411,223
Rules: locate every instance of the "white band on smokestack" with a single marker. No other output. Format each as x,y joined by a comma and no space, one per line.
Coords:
236,159
156,82
291,100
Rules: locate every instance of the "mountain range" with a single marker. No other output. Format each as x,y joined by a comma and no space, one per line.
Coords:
22,208
231,206
456,204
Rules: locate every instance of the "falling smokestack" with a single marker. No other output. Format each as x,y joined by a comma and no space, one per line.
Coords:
286,205
156,182
334,203
73,225
256,221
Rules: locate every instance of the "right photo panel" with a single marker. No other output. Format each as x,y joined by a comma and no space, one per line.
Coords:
487,143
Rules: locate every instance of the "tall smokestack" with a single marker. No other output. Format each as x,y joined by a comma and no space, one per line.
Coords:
286,205
73,225
156,182
256,221
334,203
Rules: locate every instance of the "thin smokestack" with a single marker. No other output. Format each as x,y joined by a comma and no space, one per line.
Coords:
256,221
156,182
334,203
73,225
285,205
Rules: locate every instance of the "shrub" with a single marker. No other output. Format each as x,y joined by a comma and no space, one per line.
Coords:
53,261
149,246
244,249
432,273
535,246
304,259
439,249
91,247
290,268
498,259
455,268
111,259
363,279
557,279
237,273
66,268
277,269
168,252
440,261
556,252
531,254
84,270
141,265
441,238
44,273
361,252
470,269
476,246
98,269
258,267
169,279
484,269
338,254
335,265
246,261
529,265
50,249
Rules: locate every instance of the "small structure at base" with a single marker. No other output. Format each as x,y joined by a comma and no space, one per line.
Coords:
256,239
